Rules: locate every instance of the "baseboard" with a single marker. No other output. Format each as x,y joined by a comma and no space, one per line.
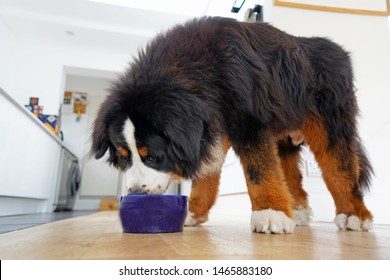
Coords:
10,205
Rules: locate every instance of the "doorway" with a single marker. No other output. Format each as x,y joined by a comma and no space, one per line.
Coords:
99,180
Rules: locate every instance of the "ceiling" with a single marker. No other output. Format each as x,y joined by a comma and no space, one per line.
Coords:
96,25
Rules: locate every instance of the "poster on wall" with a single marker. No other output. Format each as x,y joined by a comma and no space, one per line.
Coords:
80,102
75,102
67,104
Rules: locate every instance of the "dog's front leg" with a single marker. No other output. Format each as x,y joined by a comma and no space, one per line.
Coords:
271,201
203,195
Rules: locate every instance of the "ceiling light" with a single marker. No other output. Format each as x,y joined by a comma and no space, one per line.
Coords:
69,32
237,6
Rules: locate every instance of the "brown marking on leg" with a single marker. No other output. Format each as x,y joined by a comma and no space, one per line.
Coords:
340,169
265,181
205,190
290,157
203,195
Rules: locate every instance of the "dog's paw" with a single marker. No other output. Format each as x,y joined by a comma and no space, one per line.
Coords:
352,222
191,221
302,215
271,221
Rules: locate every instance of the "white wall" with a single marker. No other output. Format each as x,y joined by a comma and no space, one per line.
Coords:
40,71
6,47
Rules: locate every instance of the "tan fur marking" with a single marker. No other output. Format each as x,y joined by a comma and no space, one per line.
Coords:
293,177
270,195
271,192
296,137
205,189
203,195
143,151
175,176
339,182
122,151
225,144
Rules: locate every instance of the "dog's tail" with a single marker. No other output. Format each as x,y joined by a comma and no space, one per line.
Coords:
365,168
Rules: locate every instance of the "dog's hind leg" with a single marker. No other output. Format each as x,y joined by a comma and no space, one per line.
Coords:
341,169
289,153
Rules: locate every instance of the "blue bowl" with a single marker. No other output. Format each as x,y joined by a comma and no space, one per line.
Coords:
153,213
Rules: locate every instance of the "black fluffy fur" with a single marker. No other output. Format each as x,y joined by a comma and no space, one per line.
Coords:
216,76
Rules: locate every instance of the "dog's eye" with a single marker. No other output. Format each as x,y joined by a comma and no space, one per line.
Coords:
151,158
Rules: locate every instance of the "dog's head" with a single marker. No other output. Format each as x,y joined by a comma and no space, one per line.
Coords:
153,135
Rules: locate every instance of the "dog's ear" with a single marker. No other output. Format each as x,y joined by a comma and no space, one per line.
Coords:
100,140
100,134
181,120
185,135
99,147
185,140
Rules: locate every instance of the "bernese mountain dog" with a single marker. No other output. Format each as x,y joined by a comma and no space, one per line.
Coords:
214,83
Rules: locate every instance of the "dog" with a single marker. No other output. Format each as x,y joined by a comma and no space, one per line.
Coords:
216,83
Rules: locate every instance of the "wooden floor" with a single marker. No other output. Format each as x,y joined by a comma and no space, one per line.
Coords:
99,236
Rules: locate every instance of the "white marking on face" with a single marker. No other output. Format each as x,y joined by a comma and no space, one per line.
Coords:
141,178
